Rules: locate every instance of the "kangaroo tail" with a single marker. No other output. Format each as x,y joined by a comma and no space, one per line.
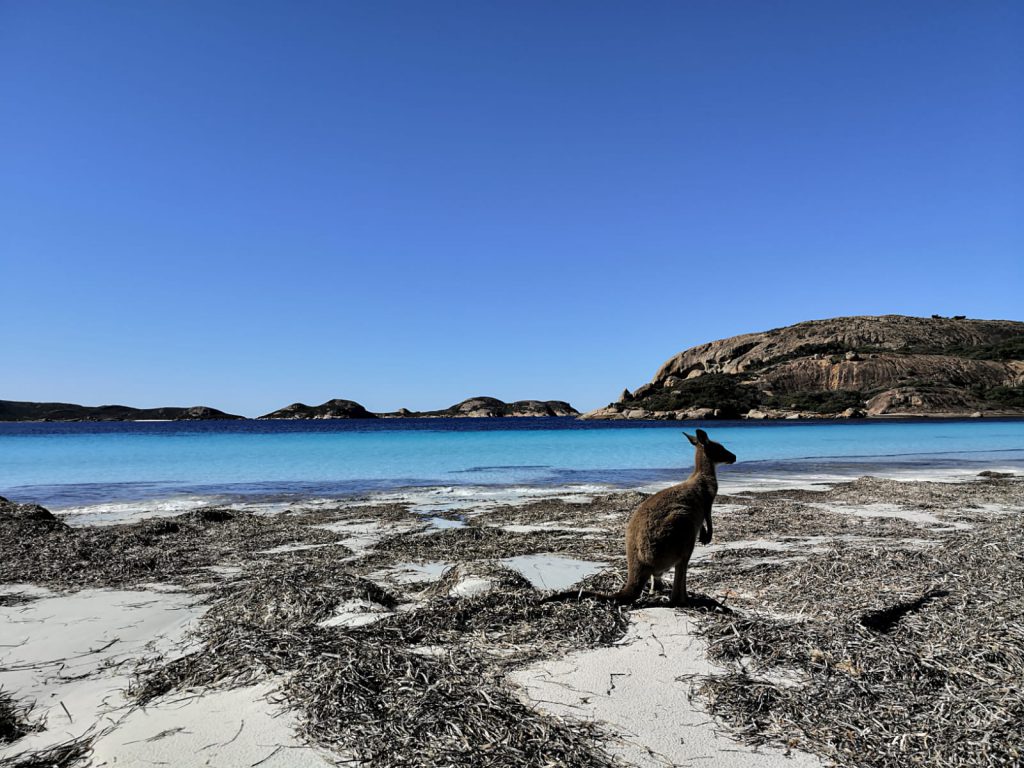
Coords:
629,593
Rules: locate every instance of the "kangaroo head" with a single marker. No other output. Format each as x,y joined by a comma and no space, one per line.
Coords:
716,452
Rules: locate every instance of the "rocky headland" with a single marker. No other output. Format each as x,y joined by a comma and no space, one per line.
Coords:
850,367
13,410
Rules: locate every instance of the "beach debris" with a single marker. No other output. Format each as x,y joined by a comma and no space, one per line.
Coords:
809,667
936,683
74,753
16,718
371,691
28,515
38,548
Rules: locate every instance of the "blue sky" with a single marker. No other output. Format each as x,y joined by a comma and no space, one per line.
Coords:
244,204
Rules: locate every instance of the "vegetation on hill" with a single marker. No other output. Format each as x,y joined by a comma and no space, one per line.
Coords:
888,365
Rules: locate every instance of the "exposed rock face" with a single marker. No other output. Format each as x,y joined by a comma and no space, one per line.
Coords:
491,407
12,410
332,409
845,367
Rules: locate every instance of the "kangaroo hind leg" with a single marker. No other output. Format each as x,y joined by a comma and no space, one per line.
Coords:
636,580
680,597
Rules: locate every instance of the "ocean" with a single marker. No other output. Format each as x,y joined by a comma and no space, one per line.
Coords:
170,466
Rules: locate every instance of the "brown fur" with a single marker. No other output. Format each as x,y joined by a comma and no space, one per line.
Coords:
663,530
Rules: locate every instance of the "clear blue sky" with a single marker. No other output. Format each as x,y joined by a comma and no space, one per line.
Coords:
244,204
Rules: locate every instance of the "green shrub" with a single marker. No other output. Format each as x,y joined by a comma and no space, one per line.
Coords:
821,402
1006,397
712,390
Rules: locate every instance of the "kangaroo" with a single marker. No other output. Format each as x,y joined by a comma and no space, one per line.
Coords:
662,531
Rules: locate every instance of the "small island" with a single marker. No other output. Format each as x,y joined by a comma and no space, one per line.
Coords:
14,410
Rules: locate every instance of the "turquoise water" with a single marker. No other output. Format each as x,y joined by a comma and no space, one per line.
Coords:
69,465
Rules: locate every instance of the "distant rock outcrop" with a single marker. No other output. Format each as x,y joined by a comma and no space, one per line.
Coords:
491,407
332,409
13,410
846,367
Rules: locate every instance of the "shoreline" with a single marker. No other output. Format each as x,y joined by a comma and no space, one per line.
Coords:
492,554
971,416
442,497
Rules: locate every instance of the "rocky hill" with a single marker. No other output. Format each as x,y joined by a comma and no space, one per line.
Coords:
332,409
490,407
848,366
474,407
13,410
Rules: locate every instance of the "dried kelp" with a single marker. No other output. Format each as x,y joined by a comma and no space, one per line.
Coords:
883,655
418,688
176,549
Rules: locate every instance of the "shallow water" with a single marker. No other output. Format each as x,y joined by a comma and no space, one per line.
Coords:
180,464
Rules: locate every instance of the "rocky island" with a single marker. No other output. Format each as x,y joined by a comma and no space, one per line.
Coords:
332,409
14,410
887,366
491,407
474,407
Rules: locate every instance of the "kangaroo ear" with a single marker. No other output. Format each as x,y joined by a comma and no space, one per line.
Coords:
702,437
691,438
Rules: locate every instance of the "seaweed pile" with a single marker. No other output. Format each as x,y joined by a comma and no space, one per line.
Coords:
883,654
868,641
15,718
417,688
38,548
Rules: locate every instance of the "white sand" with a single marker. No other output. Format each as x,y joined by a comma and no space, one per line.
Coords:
409,573
894,511
552,571
363,535
355,613
634,689
238,727
73,656
541,527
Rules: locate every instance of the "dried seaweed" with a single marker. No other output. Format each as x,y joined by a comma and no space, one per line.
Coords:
491,543
934,676
868,641
70,754
15,718
419,688
176,549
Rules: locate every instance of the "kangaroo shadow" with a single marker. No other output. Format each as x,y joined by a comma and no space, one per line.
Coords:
698,602
885,620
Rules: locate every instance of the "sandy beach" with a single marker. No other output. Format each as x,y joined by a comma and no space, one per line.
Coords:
872,622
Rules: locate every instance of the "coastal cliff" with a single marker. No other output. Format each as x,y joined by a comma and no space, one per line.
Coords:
14,410
884,366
